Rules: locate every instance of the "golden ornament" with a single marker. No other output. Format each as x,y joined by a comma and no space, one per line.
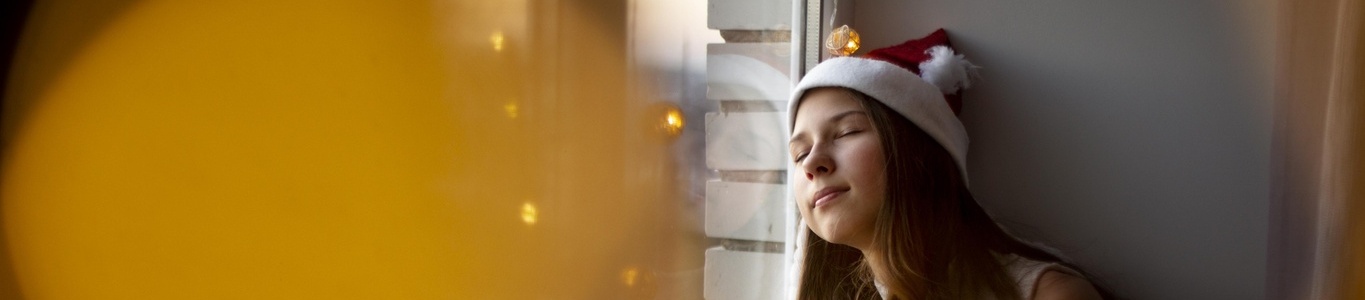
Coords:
843,41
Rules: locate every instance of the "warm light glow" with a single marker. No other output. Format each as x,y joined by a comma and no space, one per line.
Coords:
497,40
528,213
511,109
137,167
630,276
673,121
843,41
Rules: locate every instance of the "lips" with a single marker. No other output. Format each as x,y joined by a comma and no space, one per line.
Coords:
824,196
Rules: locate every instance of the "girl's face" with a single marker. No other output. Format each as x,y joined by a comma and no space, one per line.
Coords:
838,170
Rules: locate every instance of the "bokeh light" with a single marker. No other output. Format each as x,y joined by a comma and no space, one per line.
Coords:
672,122
496,39
529,214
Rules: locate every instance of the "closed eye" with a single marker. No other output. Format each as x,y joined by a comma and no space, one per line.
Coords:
848,133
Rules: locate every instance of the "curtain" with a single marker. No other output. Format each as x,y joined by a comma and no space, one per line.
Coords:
1317,216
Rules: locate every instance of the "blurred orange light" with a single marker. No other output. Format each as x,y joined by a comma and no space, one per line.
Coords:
672,121
529,213
497,40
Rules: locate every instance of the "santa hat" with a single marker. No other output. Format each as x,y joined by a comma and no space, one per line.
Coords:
920,79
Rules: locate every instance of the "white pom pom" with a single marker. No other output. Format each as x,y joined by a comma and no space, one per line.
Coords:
948,71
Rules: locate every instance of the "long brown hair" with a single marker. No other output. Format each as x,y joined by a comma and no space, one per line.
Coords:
931,239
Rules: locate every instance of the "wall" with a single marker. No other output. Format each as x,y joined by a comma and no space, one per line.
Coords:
1134,136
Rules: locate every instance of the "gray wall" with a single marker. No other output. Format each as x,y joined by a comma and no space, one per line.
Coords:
1132,135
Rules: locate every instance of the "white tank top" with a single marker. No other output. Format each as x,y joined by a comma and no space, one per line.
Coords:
1025,273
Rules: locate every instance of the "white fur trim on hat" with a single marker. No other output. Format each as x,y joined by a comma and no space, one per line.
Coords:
898,88
948,71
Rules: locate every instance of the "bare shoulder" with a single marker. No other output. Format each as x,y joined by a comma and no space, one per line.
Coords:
1055,285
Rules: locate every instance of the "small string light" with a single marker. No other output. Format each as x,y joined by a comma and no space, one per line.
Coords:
529,213
511,109
843,41
630,276
673,121
497,40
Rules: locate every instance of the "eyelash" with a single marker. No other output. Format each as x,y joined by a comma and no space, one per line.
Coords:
802,155
848,132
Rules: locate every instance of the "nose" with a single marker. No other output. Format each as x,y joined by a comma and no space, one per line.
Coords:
817,163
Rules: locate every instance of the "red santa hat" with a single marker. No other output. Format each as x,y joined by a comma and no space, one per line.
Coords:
921,79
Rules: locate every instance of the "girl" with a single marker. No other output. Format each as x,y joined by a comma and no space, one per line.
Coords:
879,175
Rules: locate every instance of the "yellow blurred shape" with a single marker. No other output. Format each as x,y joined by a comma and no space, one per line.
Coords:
496,38
672,121
511,109
528,213
629,276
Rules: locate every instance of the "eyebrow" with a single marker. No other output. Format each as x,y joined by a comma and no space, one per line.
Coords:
835,118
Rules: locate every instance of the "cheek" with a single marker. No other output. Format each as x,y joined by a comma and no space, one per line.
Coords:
868,168
870,177
799,185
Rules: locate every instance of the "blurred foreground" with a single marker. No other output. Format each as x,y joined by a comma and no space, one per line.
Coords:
338,149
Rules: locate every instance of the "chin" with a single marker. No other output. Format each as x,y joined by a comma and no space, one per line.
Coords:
838,241
841,238
844,236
